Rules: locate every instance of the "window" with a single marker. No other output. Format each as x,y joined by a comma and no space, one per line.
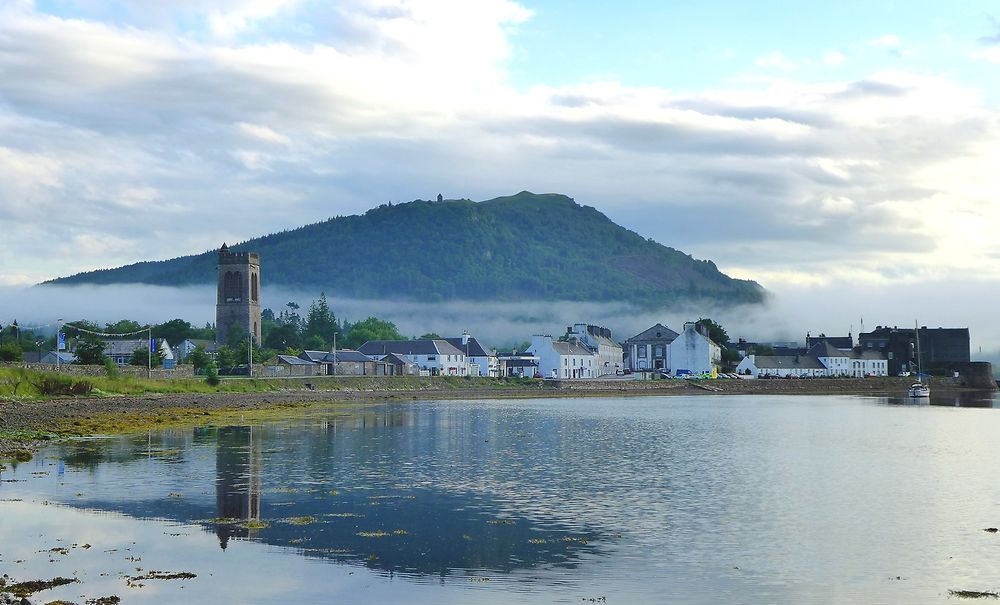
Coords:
431,358
658,351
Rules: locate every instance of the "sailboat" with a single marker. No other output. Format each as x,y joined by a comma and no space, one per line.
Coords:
918,390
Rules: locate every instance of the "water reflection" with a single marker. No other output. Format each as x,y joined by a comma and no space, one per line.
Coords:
947,398
352,488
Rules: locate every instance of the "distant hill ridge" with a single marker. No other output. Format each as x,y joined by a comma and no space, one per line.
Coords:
519,247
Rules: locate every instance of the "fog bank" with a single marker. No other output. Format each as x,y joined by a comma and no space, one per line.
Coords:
791,313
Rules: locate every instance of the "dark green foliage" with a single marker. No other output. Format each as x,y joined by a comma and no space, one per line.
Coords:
212,375
525,246
283,336
430,335
175,331
761,350
715,331
199,359
227,357
10,352
141,357
90,351
111,369
321,322
372,328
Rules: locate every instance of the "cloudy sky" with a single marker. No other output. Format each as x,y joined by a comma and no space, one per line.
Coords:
841,148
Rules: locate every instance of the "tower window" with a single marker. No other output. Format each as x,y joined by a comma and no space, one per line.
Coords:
253,287
232,287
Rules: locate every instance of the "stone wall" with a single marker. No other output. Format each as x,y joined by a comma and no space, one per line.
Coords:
181,371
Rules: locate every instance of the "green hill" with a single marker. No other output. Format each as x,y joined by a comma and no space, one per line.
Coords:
525,246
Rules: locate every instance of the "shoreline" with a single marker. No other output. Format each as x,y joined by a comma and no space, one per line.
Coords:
27,424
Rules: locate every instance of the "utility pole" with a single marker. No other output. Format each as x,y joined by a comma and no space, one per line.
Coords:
59,341
250,355
149,358
334,353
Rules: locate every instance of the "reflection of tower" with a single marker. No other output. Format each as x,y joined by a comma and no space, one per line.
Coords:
238,303
238,463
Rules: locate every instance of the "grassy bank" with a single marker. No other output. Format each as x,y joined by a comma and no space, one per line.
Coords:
24,384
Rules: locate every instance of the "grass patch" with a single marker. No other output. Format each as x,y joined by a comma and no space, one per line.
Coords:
305,520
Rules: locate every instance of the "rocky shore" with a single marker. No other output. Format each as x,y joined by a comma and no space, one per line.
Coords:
25,424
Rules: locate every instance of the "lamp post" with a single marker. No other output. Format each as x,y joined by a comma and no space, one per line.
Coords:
149,358
59,340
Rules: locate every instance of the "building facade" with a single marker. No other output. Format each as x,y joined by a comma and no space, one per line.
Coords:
650,349
237,308
563,359
610,356
693,351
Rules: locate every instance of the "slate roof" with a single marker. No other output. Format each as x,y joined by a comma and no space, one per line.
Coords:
570,348
341,355
787,362
294,361
396,360
868,354
476,349
825,349
657,333
409,347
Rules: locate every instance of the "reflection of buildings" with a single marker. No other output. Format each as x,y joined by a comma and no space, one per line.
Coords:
238,463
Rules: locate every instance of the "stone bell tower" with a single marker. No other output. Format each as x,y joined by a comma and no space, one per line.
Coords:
238,306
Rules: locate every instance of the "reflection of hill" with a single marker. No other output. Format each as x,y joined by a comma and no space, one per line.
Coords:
328,491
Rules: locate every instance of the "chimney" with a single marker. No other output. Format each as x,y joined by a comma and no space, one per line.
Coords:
465,338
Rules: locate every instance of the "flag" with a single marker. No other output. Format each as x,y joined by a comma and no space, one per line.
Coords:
152,344
62,341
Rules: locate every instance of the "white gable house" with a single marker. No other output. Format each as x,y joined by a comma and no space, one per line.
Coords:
694,351
563,359
436,357
610,357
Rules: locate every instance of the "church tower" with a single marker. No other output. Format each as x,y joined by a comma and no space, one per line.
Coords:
238,306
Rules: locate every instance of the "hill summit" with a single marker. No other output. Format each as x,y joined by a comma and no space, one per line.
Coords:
525,246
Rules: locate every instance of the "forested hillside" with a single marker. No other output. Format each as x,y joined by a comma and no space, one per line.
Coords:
525,246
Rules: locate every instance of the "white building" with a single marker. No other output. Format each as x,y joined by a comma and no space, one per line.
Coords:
694,351
822,360
610,357
563,359
482,361
869,363
836,361
650,349
435,357
781,366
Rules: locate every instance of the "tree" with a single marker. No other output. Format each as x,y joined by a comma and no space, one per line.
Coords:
11,352
314,343
90,351
429,335
141,357
123,326
321,321
199,358
716,332
283,336
174,331
372,328
227,357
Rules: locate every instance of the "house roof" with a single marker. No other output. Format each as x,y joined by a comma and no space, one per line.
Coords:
339,356
424,346
294,361
657,333
868,354
570,348
787,362
825,349
125,347
397,360
475,348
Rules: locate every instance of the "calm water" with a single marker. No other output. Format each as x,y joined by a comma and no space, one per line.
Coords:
641,500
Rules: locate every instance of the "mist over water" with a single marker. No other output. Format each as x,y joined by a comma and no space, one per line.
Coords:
790,313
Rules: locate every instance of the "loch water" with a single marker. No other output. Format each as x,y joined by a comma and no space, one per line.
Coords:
706,499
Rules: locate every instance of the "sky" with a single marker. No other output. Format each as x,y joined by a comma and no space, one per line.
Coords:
844,155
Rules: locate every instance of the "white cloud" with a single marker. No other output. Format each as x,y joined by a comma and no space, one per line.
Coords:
887,41
136,142
834,58
775,59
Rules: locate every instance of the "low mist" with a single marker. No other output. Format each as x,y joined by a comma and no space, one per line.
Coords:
788,316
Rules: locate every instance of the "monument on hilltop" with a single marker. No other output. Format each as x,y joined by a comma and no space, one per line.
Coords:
238,305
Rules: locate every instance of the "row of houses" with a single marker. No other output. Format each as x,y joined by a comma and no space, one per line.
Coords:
823,359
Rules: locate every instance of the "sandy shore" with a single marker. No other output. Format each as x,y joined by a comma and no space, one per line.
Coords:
19,419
